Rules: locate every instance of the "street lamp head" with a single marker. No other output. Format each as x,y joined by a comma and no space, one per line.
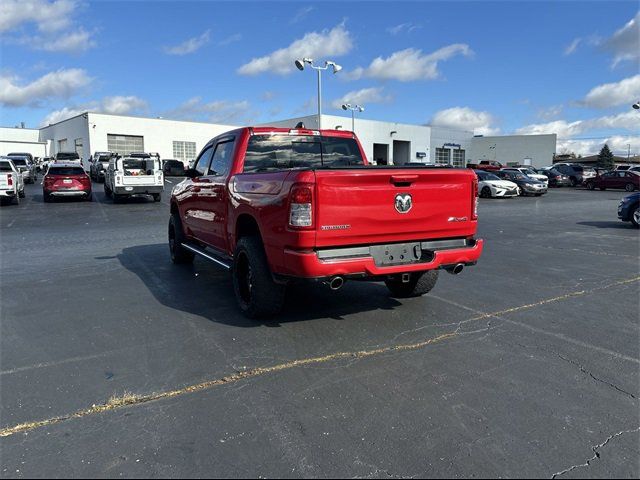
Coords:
346,106
334,65
360,108
299,64
636,105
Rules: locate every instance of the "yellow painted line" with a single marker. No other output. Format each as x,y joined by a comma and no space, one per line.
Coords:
128,399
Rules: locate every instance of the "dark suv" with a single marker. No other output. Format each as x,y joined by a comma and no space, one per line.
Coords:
577,174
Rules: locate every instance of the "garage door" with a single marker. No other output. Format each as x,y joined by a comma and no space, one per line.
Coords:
125,144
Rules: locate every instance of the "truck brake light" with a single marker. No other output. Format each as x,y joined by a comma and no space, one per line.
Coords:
474,199
10,180
301,207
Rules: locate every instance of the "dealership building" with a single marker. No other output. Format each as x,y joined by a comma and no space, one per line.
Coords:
383,142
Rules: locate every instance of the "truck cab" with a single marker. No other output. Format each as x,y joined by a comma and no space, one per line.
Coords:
126,177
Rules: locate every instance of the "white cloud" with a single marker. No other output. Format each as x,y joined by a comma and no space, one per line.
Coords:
622,121
560,127
363,97
59,84
608,95
117,105
77,41
218,111
591,146
548,113
410,64
328,43
625,43
403,27
464,118
236,37
572,47
120,105
189,46
301,14
48,16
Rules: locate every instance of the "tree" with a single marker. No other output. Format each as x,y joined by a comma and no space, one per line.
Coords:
605,158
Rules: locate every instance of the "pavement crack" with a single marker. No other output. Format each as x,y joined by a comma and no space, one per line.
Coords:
581,367
127,400
596,453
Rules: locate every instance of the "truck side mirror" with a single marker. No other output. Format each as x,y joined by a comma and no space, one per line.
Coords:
190,173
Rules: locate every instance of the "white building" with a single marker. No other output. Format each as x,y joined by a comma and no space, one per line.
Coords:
534,150
383,142
97,132
22,140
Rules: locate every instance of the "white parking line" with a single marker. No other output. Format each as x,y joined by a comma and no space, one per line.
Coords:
168,180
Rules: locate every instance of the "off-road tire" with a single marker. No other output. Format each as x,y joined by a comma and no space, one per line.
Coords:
256,292
419,284
179,254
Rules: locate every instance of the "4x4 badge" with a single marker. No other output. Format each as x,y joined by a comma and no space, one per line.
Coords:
403,202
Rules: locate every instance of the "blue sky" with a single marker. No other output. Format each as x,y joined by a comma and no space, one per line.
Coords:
570,68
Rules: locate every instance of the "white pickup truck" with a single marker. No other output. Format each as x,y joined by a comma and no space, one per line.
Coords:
126,177
11,181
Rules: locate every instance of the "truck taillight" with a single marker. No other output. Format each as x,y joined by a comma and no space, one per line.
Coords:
10,180
301,206
474,199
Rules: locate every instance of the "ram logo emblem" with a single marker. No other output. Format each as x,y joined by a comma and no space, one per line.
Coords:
403,202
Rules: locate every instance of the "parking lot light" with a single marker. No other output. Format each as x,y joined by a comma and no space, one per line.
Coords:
299,63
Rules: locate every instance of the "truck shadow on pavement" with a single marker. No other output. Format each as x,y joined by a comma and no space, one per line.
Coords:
618,225
205,290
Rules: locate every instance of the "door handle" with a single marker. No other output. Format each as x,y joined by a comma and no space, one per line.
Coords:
401,180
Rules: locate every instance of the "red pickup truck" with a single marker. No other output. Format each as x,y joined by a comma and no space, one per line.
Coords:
488,165
275,206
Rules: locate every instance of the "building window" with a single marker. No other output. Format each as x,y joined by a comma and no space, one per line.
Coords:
185,151
443,156
125,144
78,147
458,158
62,145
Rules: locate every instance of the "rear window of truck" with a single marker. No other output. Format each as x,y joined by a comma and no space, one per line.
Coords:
282,152
5,167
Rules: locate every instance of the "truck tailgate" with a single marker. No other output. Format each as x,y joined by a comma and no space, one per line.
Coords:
4,182
358,206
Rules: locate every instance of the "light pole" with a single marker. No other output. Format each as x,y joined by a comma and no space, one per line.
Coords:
353,108
327,64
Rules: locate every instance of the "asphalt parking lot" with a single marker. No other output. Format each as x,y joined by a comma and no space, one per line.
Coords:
118,363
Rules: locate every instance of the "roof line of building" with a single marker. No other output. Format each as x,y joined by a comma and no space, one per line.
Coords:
87,112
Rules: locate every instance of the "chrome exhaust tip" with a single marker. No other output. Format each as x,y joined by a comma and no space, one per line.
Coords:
336,283
456,269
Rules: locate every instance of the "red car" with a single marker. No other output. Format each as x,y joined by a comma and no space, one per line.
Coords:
276,206
487,165
626,179
66,180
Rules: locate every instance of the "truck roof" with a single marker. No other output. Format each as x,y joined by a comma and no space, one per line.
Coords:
302,131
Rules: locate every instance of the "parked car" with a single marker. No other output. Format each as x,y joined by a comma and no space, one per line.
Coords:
67,157
577,174
173,168
557,179
489,165
276,206
530,172
66,179
44,163
635,168
98,165
11,182
25,167
126,177
629,209
626,179
528,185
490,185
27,155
